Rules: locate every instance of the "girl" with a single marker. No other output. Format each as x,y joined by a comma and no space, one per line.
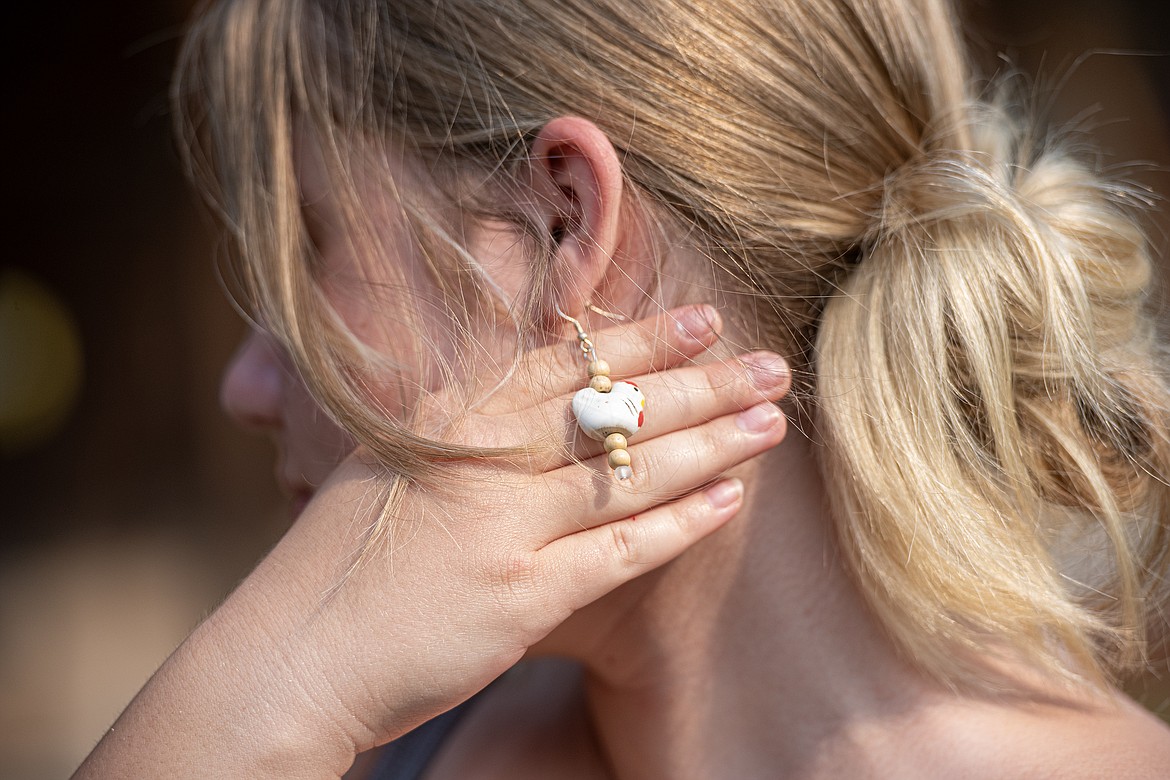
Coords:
446,212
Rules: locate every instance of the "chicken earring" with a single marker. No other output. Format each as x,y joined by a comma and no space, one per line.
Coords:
606,410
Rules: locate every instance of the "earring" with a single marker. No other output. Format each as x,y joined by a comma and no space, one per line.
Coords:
606,410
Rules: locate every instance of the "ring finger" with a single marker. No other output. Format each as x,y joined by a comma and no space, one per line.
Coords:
664,468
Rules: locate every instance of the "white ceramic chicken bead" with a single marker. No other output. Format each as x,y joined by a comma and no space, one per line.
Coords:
621,410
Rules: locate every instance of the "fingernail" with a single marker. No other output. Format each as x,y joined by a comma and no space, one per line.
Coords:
725,493
768,370
698,324
759,418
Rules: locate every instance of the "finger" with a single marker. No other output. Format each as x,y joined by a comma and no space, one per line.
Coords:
630,349
593,562
694,395
664,468
675,399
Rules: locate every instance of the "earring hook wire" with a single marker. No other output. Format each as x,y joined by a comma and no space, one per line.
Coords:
583,339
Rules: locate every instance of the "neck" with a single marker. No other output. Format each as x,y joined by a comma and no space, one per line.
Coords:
751,652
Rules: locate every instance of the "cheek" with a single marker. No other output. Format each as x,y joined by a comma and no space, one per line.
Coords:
405,335
391,309
500,251
393,306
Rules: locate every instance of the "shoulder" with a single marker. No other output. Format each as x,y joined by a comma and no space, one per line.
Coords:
1113,739
1119,742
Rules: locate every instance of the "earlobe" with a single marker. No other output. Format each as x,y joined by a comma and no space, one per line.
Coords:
577,180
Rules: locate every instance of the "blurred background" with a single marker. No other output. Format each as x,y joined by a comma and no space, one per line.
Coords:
131,504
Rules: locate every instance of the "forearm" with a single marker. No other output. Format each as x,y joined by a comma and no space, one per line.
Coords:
232,701
313,660
281,681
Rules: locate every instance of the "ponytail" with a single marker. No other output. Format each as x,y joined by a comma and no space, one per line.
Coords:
996,412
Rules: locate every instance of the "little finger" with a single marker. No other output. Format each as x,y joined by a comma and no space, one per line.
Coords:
593,562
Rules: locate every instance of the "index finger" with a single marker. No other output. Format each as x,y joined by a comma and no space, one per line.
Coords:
631,349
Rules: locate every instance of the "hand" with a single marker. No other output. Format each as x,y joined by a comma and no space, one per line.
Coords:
327,665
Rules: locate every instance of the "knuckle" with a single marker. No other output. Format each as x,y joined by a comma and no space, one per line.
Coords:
692,456
724,375
519,586
513,577
698,384
737,377
703,447
688,514
658,352
711,440
626,539
651,467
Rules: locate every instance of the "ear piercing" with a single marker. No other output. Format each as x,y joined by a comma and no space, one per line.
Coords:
606,410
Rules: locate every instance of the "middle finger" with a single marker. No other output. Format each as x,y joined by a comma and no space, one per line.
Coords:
680,398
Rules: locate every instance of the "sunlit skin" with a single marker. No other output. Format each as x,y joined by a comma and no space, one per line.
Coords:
751,651
262,391
747,654
651,676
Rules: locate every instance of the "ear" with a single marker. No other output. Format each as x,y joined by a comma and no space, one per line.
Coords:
577,181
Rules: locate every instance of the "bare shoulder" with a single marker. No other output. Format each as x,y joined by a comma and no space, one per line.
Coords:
1139,744
1114,739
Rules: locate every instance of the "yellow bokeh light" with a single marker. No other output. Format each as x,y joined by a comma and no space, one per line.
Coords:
41,363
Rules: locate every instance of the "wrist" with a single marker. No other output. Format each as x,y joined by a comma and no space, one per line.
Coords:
232,701
264,697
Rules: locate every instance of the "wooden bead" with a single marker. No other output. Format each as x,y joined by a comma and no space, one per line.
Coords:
615,441
619,458
598,368
601,384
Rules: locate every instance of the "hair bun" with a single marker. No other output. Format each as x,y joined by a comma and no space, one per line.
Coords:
995,406
1032,217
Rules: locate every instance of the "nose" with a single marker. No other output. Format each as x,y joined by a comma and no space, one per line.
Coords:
252,390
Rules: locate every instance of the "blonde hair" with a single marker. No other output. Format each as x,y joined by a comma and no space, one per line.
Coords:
964,299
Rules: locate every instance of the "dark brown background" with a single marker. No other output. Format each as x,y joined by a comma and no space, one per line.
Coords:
125,525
